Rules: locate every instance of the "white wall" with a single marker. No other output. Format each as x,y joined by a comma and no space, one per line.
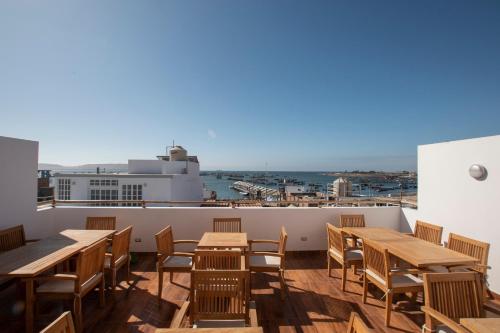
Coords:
192,222
18,184
145,166
448,196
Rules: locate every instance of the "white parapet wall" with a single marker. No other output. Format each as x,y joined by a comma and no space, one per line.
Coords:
305,226
450,197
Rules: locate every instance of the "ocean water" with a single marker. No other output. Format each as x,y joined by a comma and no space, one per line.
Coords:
223,185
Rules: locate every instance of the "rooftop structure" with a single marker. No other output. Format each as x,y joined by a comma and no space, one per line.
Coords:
448,196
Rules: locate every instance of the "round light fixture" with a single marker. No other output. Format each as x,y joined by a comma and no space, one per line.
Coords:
478,172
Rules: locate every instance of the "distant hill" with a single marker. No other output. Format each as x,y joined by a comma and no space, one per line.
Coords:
84,167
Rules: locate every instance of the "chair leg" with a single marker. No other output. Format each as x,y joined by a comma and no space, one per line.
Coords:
388,308
329,261
160,283
102,289
282,284
344,276
77,311
365,287
128,270
113,280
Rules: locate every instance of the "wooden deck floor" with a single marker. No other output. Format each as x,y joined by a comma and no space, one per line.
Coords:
315,302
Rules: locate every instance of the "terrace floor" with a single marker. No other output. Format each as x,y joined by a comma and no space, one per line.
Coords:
315,302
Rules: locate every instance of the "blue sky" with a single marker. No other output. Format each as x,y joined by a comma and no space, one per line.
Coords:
299,85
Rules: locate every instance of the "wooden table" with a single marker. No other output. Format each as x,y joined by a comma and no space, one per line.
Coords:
211,240
212,330
481,325
34,258
415,251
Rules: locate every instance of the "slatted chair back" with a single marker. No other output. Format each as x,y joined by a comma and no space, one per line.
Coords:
217,259
377,260
90,262
63,324
470,247
227,224
165,243
335,238
101,223
220,295
12,238
121,243
357,325
455,295
428,232
353,221
283,240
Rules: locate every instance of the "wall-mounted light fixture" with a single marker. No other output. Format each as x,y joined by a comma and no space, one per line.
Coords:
478,172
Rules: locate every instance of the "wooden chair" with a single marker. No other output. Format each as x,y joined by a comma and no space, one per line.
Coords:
169,260
428,232
475,249
357,325
377,265
218,260
353,221
119,256
227,224
451,296
218,298
63,324
12,238
89,274
101,223
341,253
265,261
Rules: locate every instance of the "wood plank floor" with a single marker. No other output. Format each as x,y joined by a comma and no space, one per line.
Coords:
315,302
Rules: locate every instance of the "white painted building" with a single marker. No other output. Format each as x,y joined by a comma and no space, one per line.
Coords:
175,177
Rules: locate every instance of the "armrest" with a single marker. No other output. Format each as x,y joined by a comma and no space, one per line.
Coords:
264,253
179,316
183,254
263,241
438,316
186,241
58,277
408,271
493,307
252,312
408,234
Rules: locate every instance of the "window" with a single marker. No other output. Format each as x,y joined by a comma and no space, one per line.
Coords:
103,182
131,192
100,194
64,189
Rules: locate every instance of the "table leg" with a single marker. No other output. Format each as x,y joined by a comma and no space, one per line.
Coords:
30,297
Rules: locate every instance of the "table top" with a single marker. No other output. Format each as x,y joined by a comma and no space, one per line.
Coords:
212,330
413,250
35,258
481,325
223,239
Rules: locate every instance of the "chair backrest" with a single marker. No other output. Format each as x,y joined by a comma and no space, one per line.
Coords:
217,259
165,243
428,232
283,239
121,244
335,238
357,325
12,238
470,247
63,324
220,295
354,221
456,295
101,223
377,260
227,224
90,262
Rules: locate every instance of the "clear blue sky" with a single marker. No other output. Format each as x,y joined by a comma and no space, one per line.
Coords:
301,85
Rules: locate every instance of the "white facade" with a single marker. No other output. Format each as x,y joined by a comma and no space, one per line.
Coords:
161,180
450,197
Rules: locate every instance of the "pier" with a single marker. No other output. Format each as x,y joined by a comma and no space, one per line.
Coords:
254,190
